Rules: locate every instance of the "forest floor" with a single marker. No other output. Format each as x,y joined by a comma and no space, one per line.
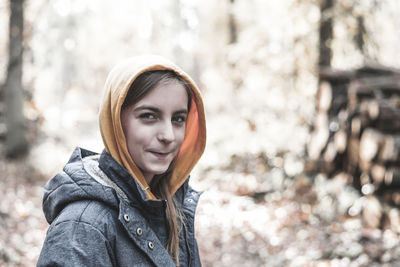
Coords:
258,208
22,223
297,221
250,215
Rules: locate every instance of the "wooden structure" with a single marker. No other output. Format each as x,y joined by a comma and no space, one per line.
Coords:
357,128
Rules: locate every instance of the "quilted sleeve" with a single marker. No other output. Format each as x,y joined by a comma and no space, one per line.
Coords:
73,243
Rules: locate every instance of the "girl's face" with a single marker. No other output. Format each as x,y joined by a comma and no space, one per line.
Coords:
154,128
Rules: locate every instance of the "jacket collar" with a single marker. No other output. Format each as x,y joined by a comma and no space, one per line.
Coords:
130,186
124,180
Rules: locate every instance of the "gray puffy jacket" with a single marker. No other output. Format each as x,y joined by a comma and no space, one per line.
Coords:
99,216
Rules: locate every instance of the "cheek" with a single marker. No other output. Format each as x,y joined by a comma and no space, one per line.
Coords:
180,135
132,132
127,123
137,136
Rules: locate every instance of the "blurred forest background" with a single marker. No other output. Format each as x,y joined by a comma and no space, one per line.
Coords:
278,192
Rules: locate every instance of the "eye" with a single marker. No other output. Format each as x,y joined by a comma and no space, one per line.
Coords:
148,116
179,119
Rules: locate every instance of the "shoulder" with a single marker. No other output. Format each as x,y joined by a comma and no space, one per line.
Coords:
190,200
86,227
91,213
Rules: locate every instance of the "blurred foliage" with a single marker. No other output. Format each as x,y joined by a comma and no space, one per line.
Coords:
259,96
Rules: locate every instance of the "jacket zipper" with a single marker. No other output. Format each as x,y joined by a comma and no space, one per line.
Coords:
187,244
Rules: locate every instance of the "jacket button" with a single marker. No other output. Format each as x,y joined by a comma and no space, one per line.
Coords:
151,245
139,231
126,218
190,200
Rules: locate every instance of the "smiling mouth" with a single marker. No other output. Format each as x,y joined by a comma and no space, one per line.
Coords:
160,155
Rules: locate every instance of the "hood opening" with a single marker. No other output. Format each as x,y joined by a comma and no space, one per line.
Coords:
116,88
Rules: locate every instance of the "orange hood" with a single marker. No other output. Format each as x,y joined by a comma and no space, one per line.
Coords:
116,88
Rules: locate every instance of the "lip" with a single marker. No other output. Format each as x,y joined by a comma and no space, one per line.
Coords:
160,155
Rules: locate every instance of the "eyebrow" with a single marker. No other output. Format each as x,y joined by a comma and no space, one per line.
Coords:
147,108
157,110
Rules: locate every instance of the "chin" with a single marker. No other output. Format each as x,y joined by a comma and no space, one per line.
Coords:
159,171
158,168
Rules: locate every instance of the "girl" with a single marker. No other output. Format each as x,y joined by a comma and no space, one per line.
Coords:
131,205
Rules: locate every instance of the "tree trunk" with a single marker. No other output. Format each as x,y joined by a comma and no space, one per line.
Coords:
232,23
16,142
359,38
325,33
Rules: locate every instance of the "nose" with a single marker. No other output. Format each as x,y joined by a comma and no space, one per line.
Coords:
166,133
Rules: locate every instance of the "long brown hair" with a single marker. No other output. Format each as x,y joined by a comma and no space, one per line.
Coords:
159,185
